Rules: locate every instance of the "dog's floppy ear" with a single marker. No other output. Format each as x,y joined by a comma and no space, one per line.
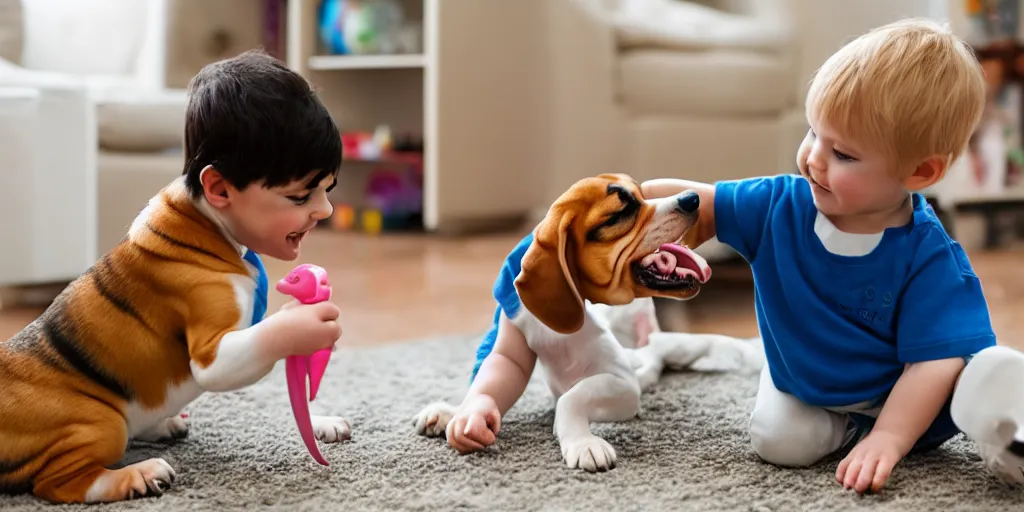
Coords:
547,282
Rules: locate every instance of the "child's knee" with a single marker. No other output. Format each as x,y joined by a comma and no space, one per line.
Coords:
796,441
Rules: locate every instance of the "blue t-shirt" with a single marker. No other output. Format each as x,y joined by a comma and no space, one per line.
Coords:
838,329
505,294
262,285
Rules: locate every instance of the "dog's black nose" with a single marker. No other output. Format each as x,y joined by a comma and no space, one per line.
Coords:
689,202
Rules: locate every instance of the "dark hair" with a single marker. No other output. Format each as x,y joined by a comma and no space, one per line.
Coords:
254,119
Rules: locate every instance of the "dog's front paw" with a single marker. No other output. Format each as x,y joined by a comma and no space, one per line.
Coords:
169,429
151,477
154,476
331,429
433,419
589,453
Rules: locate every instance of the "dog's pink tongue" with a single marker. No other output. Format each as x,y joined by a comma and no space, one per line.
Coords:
665,262
688,261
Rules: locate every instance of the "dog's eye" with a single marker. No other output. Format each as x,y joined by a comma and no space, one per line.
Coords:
624,194
630,203
617,218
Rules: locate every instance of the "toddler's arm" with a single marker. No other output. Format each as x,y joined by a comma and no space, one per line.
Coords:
943,317
506,371
226,358
704,230
910,409
499,383
917,398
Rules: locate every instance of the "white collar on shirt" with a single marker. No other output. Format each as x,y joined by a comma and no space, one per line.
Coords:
842,243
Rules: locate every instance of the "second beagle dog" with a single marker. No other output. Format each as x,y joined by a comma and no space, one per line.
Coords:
600,247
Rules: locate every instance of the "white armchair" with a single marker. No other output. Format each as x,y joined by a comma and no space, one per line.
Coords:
48,182
96,70
658,88
127,62
662,87
117,50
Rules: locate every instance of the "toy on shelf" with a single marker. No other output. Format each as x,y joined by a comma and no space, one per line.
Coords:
372,26
372,222
309,285
382,146
393,201
367,27
344,217
331,22
397,196
394,189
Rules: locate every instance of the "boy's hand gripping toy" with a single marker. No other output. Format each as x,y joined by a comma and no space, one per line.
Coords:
309,285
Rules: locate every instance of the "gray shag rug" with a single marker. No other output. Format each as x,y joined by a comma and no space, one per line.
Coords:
688,451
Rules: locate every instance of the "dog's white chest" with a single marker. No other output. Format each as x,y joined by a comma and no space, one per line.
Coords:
567,359
141,420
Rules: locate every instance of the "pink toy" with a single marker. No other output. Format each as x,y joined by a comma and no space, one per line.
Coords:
309,285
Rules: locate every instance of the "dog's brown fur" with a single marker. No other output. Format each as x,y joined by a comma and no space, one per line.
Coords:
586,247
124,331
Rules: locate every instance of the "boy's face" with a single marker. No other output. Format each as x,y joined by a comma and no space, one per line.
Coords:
274,221
846,176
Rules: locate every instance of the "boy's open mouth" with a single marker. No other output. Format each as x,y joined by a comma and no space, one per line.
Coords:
672,267
296,238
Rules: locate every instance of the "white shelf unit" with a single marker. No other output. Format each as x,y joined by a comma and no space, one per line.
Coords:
476,95
327,62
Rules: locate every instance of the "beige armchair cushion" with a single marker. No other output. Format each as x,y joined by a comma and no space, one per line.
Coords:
689,26
140,119
717,83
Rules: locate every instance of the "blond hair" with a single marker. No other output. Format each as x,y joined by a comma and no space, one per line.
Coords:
910,88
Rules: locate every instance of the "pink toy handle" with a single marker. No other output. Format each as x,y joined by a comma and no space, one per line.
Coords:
309,285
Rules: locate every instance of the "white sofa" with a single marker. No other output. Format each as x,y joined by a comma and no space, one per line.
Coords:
95,70
639,87
659,88
48,182
119,68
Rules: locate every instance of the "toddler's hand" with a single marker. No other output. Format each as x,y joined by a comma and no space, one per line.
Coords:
301,329
475,425
664,187
656,188
870,463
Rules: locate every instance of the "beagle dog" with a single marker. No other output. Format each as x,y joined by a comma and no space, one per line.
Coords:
161,318
579,289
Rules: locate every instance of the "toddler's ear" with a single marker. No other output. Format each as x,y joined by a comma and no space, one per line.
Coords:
927,174
215,187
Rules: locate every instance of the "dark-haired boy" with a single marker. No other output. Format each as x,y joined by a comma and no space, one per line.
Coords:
177,307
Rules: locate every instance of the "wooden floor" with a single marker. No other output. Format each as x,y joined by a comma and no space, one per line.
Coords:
407,287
